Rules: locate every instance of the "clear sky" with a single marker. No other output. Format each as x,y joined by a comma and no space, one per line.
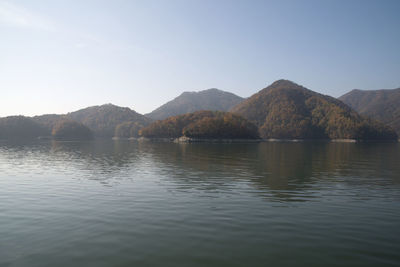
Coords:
60,56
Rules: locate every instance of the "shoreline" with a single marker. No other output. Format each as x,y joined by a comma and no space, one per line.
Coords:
183,140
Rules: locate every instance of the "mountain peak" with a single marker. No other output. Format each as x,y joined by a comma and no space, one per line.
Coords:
209,99
290,111
108,105
202,92
282,83
212,90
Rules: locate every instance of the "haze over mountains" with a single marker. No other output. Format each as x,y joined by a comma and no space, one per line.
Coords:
382,105
20,127
211,99
283,110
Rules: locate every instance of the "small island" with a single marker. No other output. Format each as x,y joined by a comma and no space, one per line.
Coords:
202,125
129,129
71,131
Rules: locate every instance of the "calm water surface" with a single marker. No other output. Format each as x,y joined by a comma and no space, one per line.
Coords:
106,203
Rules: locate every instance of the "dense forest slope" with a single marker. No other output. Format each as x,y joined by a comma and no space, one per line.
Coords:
48,120
283,110
71,130
202,124
128,129
20,127
382,105
102,120
211,99
287,110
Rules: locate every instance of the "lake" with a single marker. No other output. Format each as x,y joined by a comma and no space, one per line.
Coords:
128,203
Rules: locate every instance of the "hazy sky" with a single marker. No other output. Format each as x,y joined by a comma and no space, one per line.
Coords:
60,56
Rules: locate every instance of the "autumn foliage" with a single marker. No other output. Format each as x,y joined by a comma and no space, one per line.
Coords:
103,120
382,105
286,110
71,130
202,124
128,129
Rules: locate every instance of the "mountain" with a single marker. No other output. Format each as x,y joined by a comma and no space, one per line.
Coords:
202,124
20,127
102,120
211,99
382,105
286,110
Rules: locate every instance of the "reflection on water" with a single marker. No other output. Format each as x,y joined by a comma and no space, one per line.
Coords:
283,168
125,202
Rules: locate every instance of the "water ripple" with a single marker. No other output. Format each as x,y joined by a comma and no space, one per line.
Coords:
107,203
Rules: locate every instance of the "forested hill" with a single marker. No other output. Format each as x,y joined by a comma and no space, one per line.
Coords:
71,130
287,110
382,105
48,120
102,120
283,110
211,99
202,124
20,127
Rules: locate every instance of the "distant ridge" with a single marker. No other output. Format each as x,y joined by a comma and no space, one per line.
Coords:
210,99
21,127
382,105
286,110
283,110
102,120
